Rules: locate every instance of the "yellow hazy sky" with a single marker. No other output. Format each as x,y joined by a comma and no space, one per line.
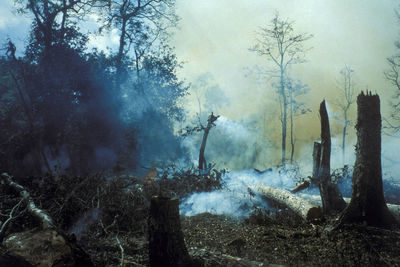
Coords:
214,36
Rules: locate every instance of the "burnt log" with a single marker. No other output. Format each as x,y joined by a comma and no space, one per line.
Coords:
166,243
332,200
316,200
304,208
299,187
367,205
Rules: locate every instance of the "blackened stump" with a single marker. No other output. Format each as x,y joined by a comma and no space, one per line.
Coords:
166,243
367,205
332,200
316,159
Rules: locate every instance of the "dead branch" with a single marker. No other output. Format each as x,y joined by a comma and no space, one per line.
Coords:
122,251
45,220
10,218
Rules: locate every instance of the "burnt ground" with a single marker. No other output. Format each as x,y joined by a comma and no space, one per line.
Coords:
224,241
108,210
282,244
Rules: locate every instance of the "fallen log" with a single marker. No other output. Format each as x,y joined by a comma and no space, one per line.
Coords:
305,208
393,208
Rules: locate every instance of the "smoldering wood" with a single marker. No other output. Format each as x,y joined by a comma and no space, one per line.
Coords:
166,243
367,205
45,220
304,208
299,187
332,200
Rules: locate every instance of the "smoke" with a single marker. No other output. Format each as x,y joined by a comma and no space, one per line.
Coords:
234,199
80,227
233,144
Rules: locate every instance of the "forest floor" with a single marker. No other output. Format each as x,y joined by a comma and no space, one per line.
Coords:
109,220
224,241
283,244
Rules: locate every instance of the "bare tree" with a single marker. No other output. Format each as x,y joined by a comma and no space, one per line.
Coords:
393,76
344,103
283,47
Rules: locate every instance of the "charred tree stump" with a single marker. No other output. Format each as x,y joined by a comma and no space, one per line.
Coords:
367,205
316,159
332,200
166,243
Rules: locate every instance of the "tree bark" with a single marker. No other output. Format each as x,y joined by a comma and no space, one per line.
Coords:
332,200
346,122
316,159
166,243
367,205
304,208
284,111
210,124
292,142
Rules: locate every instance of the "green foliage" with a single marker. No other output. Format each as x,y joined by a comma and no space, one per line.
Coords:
63,105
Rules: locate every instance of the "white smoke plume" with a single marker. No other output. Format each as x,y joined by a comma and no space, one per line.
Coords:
234,199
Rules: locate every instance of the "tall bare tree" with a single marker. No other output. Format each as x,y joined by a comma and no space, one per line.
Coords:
346,84
281,45
393,76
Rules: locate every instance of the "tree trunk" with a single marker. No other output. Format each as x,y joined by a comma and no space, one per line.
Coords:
120,54
316,159
346,122
166,243
292,143
210,124
202,160
284,114
367,205
304,208
332,200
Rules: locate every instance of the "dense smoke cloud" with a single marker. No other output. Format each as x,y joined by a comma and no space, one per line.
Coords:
357,34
